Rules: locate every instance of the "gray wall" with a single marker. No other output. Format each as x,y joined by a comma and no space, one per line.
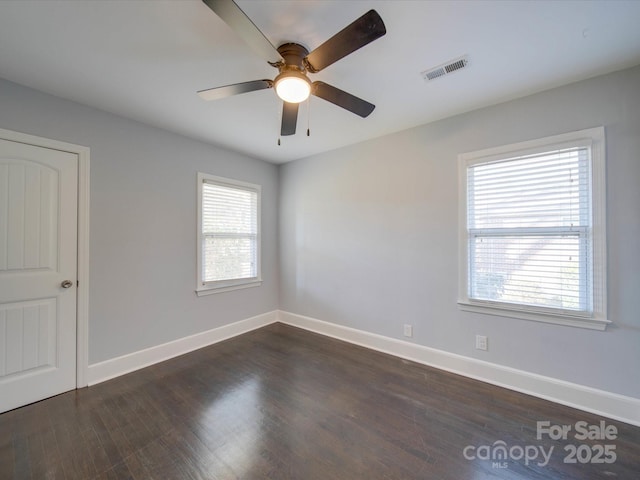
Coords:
143,223
369,235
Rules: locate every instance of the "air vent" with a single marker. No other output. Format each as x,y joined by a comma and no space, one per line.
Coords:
444,69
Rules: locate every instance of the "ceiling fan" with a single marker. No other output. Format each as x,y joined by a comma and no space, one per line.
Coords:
294,62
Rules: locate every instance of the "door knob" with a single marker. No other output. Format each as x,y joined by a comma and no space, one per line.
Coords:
66,284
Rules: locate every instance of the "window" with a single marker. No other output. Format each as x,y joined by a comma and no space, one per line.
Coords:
533,230
228,234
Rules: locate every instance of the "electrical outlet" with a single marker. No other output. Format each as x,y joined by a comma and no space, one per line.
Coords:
482,343
408,330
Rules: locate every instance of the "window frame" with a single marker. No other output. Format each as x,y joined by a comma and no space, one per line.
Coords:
219,286
598,319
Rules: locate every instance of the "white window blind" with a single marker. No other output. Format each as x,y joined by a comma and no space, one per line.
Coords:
529,226
229,236
529,213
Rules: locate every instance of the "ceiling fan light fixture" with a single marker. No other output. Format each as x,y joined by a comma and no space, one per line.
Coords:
292,86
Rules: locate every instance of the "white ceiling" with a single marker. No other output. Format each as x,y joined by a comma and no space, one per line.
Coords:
146,60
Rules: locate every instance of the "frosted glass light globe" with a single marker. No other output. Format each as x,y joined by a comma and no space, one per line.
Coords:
292,87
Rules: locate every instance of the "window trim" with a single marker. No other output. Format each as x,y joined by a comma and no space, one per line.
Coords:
232,284
598,320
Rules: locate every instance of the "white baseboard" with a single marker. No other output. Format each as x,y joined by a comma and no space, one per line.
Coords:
99,372
599,402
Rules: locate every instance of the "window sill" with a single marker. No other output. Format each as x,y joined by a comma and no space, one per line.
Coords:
210,290
565,319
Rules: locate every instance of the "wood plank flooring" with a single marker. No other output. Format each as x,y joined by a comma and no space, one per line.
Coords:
282,403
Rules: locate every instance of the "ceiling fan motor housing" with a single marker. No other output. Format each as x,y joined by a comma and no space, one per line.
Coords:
293,55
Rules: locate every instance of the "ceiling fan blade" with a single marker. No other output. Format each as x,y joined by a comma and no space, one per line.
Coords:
342,99
233,16
235,89
289,118
356,35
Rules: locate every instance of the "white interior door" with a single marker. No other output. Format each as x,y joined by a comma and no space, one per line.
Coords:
38,272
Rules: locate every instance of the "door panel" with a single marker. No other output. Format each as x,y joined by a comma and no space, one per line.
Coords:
27,213
27,331
38,251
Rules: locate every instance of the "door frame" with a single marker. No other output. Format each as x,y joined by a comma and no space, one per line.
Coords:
82,299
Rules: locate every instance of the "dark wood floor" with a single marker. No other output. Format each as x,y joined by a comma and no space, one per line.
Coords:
282,403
